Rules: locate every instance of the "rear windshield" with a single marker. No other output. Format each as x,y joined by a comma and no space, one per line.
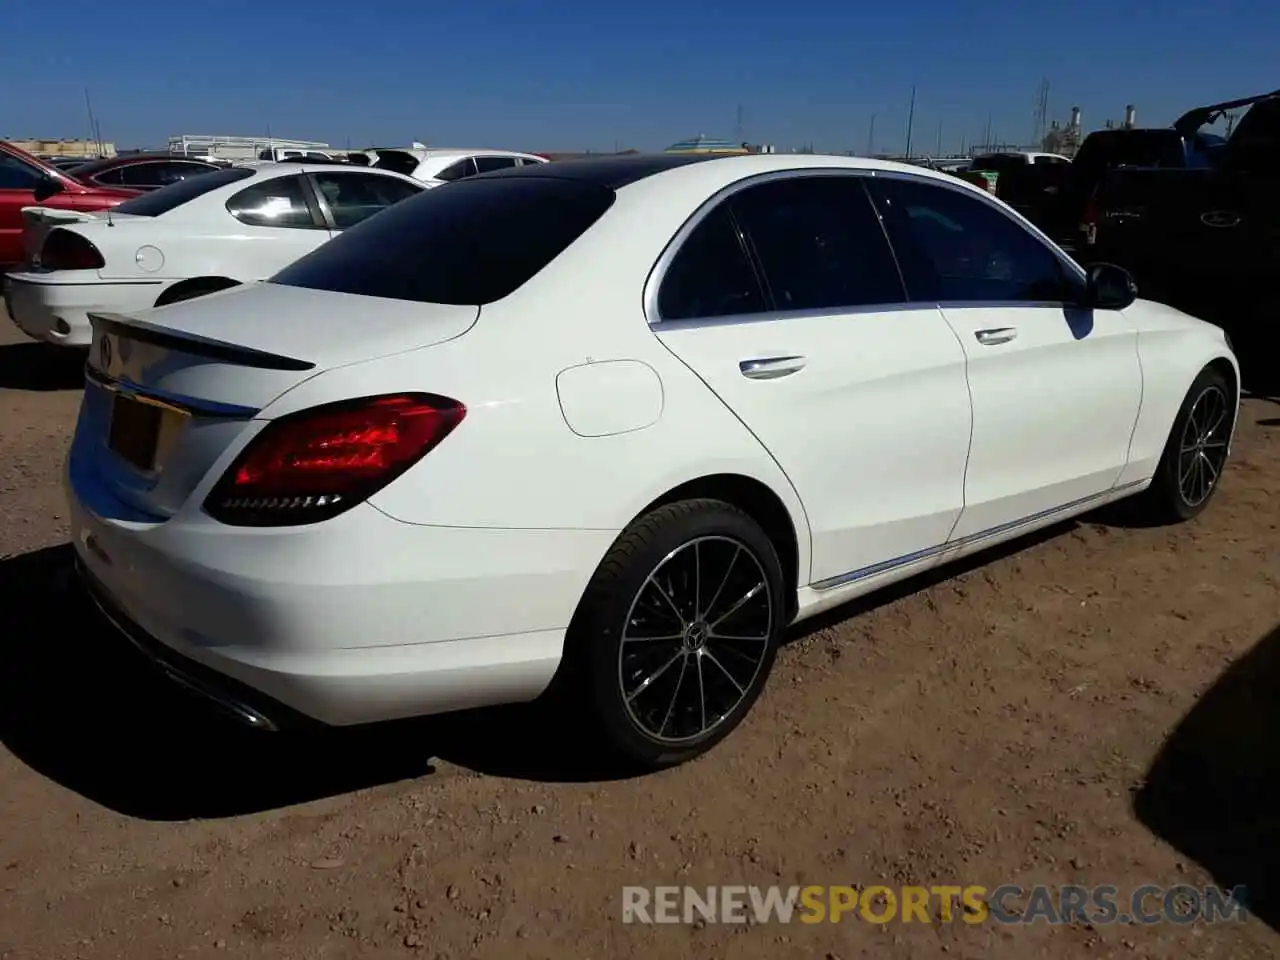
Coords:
999,163
1131,148
176,194
397,161
469,242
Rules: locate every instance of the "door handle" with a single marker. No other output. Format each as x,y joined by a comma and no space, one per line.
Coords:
770,368
989,338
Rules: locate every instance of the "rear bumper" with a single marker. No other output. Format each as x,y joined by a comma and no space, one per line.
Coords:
242,703
57,311
356,620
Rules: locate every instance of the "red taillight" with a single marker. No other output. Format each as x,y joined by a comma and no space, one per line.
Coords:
315,464
64,250
1089,220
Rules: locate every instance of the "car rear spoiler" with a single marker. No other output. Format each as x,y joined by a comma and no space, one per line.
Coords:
1193,120
142,331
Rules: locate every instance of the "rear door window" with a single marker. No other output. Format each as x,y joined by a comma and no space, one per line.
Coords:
819,244
711,275
471,244
353,197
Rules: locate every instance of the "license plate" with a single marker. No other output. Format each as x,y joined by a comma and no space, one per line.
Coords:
141,431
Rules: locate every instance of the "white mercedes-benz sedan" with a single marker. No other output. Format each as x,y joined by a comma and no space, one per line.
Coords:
613,423
185,240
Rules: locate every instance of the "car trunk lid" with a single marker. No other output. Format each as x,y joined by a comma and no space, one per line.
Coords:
169,390
38,221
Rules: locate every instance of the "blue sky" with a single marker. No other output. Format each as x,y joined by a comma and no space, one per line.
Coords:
576,75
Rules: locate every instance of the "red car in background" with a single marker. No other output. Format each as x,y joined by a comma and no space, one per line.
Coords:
28,182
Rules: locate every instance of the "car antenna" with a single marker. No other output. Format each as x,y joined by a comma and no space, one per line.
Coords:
95,131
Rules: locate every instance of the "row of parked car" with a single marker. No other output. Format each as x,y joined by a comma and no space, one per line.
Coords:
1191,213
143,230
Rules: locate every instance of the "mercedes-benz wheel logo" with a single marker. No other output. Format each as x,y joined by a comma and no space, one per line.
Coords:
1220,218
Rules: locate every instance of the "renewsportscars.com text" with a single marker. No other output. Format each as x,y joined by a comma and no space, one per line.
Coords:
1007,904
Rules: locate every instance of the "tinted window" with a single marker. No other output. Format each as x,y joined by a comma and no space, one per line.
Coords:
175,195
463,168
279,202
353,197
397,161
485,164
999,163
1131,148
161,173
711,275
1051,160
112,178
819,243
526,162
473,244
16,174
955,247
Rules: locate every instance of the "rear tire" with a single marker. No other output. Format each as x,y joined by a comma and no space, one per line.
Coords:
1195,453
677,632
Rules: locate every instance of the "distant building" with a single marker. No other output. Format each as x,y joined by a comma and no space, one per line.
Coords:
66,148
585,154
704,144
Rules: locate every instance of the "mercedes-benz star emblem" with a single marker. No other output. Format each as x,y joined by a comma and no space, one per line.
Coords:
104,352
1220,218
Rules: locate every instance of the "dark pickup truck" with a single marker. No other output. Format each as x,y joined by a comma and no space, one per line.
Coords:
1204,237
1053,192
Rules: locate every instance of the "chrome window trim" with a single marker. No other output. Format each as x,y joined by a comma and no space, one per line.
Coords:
657,273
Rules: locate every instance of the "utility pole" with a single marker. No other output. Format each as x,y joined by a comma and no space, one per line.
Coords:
938,152
95,131
871,137
738,127
911,120
1040,127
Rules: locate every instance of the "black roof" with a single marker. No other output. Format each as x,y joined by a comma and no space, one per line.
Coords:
611,172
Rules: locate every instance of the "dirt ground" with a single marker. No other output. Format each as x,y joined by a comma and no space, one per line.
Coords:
1096,705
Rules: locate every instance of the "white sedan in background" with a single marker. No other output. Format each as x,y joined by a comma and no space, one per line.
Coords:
618,423
191,238
436,166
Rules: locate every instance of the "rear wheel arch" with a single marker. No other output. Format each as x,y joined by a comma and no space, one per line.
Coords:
758,502
194,287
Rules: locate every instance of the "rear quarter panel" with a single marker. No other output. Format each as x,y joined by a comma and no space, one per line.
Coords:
514,461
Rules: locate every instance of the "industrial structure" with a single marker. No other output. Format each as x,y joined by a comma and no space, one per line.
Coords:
88,149
236,148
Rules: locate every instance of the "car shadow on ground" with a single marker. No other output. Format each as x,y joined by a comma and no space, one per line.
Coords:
40,367
80,706
1213,791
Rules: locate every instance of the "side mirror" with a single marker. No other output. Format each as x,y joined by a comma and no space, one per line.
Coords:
46,189
1110,287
